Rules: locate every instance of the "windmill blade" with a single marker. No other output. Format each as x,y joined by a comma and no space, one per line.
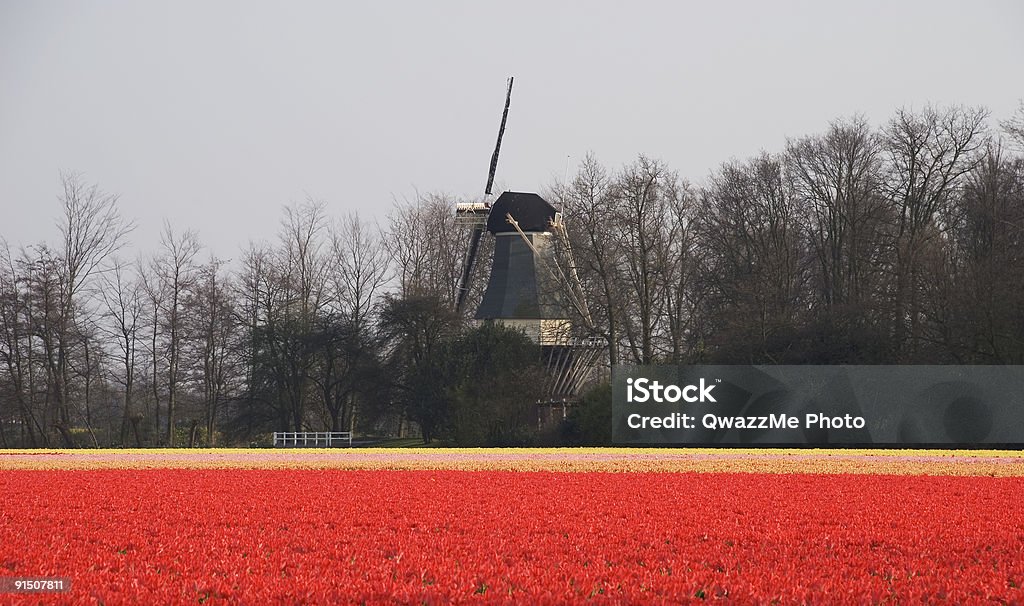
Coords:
478,228
574,283
467,268
497,146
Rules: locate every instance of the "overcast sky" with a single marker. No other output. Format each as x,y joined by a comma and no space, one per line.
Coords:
215,114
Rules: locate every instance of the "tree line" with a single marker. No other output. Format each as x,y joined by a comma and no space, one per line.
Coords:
901,244
896,244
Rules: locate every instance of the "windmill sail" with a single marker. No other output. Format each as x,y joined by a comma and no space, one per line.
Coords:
476,214
527,287
497,146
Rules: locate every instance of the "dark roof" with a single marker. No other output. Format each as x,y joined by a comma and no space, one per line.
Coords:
531,211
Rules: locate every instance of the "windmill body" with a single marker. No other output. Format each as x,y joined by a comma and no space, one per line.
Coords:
527,290
521,291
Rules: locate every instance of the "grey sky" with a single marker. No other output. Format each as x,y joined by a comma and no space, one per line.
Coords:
215,114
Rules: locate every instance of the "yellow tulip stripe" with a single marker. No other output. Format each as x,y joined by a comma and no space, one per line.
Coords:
699,460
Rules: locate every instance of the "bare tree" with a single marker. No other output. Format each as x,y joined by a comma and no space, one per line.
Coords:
343,338
590,222
974,306
211,327
427,248
928,154
303,257
1014,127
753,261
153,298
256,291
91,229
175,272
41,277
303,269
677,257
18,352
837,180
360,268
647,196
86,366
122,299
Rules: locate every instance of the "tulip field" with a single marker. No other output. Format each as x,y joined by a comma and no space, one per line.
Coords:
438,526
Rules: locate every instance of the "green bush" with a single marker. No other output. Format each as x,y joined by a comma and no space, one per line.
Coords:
590,423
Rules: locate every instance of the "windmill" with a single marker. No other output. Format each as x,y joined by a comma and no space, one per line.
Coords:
532,284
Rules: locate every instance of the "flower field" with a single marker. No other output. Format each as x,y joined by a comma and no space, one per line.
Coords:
738,460
589,525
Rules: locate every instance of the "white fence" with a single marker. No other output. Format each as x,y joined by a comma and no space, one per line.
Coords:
313,438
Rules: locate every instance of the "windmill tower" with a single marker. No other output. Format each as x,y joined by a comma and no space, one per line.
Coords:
532,284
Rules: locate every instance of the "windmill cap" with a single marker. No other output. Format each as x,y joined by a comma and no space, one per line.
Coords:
531,211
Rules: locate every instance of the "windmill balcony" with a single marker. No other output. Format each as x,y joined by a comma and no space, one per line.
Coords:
472,213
